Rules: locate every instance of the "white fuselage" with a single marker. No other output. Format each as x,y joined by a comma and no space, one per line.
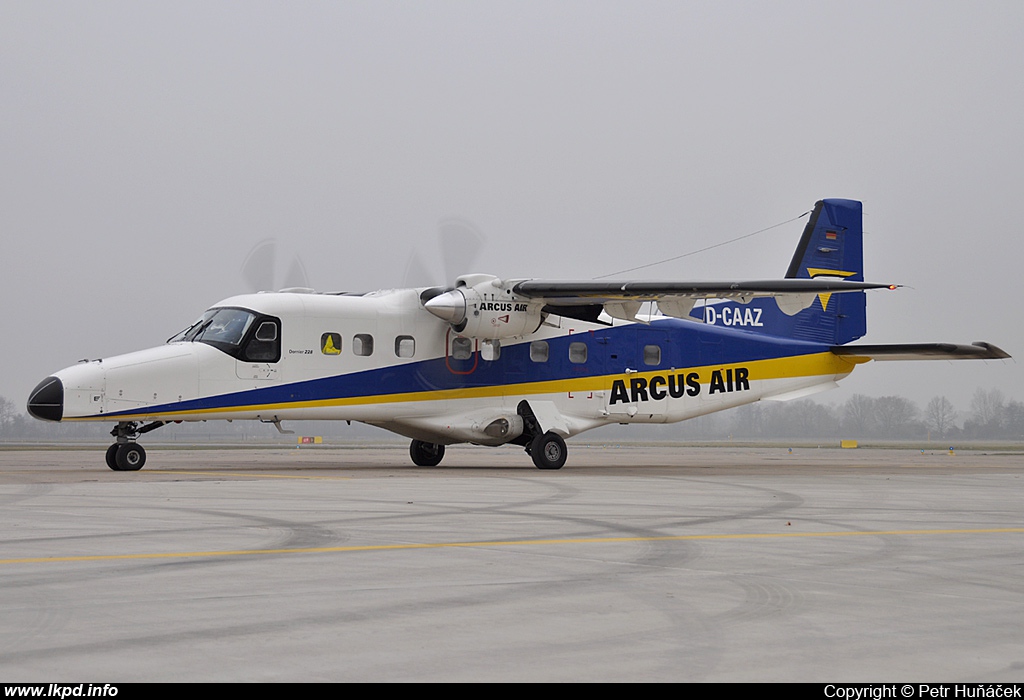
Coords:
380,359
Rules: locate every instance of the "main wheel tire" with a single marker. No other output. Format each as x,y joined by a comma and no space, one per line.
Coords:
548,451
130,457
111,457
426,454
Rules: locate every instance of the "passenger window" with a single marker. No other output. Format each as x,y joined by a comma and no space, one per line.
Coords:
405,346
362,344
539,351
652,355
462,348
490,350
264,345
330,343
577,353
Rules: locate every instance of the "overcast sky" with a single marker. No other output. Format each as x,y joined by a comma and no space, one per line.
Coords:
146,147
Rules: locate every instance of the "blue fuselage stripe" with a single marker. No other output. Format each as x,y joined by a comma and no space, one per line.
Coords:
611,350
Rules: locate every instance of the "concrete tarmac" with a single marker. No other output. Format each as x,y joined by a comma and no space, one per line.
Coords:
630,564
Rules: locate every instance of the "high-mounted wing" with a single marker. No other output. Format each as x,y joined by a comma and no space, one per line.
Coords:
514,307
564,293
622,299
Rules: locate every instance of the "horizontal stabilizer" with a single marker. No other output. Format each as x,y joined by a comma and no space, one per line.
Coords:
921,351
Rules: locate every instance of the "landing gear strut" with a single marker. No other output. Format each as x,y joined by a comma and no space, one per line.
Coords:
426,454
126,455
548,449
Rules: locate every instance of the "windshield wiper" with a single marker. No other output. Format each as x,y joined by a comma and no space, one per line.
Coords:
198,331
181,336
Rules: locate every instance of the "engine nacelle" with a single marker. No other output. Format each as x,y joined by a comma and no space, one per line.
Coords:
481,307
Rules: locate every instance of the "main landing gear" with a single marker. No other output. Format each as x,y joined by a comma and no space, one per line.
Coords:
126,455
547,450
426,454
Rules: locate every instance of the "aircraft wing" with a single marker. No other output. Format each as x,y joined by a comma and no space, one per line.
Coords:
921,351
565,293
623,299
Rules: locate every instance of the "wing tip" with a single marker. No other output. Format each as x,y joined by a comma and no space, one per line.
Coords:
994,352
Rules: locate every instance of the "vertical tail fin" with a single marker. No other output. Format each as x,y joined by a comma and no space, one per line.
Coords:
832,246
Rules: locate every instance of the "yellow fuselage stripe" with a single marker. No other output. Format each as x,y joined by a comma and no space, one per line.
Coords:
815,364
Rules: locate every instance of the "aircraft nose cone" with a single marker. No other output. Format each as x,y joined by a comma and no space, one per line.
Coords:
46,402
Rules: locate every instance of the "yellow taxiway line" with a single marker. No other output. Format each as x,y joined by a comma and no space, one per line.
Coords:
251,476
501,543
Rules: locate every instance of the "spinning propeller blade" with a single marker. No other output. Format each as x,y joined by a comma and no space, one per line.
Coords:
459,243
260,269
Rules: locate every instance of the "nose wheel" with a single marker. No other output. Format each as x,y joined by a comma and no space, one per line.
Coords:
126,457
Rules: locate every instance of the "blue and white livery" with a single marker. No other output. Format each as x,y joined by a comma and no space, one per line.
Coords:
491,361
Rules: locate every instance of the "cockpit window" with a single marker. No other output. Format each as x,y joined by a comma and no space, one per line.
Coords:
227,326
229,329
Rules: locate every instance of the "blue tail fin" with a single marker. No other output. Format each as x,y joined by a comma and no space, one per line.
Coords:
831,246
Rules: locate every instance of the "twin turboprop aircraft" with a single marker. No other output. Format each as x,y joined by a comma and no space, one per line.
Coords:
492,361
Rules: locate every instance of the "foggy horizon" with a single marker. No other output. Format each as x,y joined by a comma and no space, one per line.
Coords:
147,149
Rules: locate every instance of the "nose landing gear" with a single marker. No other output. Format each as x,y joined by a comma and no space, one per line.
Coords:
126,455
129,457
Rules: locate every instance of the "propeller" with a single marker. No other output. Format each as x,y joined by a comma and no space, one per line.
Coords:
260,269
459,243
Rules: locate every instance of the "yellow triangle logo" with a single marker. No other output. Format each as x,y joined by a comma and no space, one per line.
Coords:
822,272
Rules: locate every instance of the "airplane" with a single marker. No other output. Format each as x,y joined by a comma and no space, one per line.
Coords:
491,362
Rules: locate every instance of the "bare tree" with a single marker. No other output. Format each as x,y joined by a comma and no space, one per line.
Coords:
940,415
896,415
1013,422
8,413
748,420
859,415
986,405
